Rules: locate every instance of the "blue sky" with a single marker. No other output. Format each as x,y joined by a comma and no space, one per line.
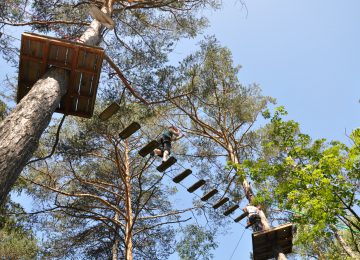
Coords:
304,53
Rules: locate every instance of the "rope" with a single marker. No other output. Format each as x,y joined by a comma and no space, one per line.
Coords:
237,244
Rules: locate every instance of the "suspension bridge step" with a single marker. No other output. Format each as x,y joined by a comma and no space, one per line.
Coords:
109,111
181,176
83,62
220,203
209,194
242,216
267,242
132,128
149,148
165,165
231,210
196,185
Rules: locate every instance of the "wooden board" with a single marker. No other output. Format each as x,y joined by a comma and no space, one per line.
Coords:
38,53
167,164
149,148
265,242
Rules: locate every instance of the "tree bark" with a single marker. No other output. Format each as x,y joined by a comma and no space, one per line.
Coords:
20,132
345,246
128,206
115,247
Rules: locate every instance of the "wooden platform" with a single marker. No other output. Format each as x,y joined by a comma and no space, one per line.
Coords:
39,53
264,242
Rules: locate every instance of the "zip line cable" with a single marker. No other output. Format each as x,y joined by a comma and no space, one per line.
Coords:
237,244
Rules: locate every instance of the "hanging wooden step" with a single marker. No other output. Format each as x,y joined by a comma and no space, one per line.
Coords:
220,203
266,243
242,216
149,148
196,185
181,176
209,194
231,210
38,53
165,165
132,128
109,111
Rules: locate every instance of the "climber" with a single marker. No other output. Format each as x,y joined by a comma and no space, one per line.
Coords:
164,149
254,219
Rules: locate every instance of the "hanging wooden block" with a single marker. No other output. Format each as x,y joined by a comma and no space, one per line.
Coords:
266,243
38,53
241,216
165,165
103,18
196,185
149,148
220,203
181,176
109,111
231,210
209,194
132,128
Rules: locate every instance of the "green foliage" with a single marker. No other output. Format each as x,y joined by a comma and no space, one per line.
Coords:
197,243
315,180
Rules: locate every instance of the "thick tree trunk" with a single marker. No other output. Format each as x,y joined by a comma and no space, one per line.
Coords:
21,130
128,207
250,197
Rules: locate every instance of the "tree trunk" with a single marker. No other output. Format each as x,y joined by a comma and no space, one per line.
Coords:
344,245
128,206
21,130
250,197
115,247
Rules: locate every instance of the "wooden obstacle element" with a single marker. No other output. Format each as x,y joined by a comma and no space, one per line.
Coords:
196,185
132,128
267,243
165,165
181,176
109,111
209,194
220,203
38,53
241,216
149,148
231,210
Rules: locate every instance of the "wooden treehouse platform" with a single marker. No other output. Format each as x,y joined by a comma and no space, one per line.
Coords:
38,53
267,242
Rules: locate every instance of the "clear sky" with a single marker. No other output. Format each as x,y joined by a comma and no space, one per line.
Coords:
306,54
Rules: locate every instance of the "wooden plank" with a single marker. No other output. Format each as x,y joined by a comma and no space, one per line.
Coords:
241,216
83,105
109,111
220,203
167,164
86,85
196,185
231,210
209,194
128,131
149,148
182,176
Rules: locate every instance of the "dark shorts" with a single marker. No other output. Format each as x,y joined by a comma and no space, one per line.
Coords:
165,144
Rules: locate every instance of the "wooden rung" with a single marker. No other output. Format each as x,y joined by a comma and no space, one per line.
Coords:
132,128
149,148
241,217
231,210
196,185
181,176
165,165
220,203
209,194
109,111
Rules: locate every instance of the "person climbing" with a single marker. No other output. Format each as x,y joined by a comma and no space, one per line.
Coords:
254,219
168,136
